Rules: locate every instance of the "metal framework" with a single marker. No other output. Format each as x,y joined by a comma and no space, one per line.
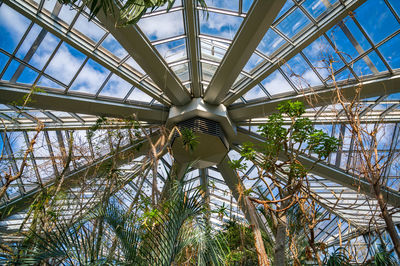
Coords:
246,58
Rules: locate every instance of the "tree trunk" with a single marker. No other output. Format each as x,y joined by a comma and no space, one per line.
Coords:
390,227
261,254
280,242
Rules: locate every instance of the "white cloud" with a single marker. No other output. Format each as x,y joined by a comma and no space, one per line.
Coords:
225,4
15,23
172,54
138,95
163,26
225,25
277,84
30,38
255,93
67,13
88,28
64,65
114,46
44,51
306,79
131,62
116,87
89,80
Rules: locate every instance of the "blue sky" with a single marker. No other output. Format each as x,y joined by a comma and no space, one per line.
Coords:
162,27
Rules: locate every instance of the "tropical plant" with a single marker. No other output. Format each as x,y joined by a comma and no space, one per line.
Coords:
382,258
287,136
337,258
240,241
189,139
156,237
128,12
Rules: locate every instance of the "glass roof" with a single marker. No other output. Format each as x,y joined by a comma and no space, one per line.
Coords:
86,70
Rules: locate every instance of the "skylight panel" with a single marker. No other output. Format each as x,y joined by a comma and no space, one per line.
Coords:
319,52
285,8
213,50
3,61
219,25
29,39
208,71
162,26
317,7
90,78
112,45
49,5
255,93
138,95
356,33
132,63
182,71
12,27
89,28
224,4
10,70
116,87
362,69
383,22
391,51
65,63
44,51
300,73
173,51
343,75
47,82
270,43
239,79
28,76
343,45
293,23
67,13
276,84
246,4
396,6
13,190
253,62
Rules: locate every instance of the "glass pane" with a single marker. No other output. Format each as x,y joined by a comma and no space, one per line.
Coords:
276,84
12,27
293,23
383,22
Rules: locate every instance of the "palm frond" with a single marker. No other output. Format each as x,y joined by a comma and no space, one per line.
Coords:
130,12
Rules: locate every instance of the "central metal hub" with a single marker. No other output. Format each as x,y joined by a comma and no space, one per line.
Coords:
198,108
212,127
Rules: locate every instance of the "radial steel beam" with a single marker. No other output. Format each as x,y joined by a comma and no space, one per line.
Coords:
329,172
258,20
65,126
53,100
335,15
192,28
375,86
100,55
133,40
330,118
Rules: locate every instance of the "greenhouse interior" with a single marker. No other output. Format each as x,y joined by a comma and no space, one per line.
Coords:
200,132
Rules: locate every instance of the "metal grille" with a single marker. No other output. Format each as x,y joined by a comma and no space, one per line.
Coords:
205,126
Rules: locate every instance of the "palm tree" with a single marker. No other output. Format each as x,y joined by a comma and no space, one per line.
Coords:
160,236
